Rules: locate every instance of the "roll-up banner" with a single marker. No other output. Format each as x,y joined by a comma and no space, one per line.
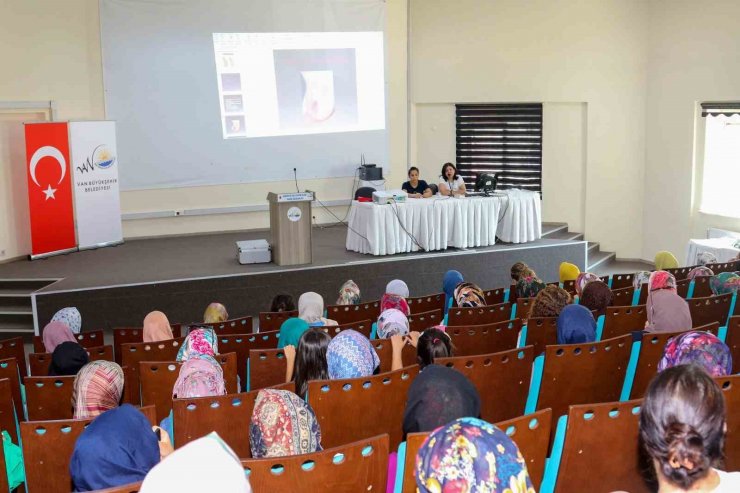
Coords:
95,171
49,189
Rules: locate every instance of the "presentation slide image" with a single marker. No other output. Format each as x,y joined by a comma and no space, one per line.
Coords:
316,87
234,126
226,61
231,82
233,103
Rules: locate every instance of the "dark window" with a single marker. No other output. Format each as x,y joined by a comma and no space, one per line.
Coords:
505,139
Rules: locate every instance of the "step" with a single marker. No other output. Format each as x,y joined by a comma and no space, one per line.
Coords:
15,310
24,285
599,259
565,235
550,228
593,247
16,327
24,301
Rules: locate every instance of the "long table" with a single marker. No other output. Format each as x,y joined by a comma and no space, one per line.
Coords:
437,223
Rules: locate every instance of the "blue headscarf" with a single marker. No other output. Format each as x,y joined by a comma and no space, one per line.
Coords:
117,448
449,283
576,324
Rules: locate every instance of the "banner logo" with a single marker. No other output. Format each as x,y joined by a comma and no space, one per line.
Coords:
101,158
54,153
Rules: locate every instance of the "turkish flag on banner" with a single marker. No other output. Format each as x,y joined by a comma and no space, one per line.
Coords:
49,187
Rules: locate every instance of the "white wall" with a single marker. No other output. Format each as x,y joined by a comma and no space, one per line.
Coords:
692,57
545,51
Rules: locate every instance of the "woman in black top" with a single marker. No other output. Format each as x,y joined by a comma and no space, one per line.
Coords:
415,187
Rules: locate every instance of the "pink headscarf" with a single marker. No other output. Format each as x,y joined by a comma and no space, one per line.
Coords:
157,327
56,333
199,377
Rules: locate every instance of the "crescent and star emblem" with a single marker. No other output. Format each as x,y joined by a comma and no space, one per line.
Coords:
52,152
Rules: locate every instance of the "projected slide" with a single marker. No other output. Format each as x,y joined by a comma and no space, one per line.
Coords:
273,84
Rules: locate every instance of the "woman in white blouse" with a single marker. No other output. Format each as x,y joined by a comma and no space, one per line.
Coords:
450,182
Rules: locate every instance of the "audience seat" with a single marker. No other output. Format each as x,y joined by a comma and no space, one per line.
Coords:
710,309
732,339
471,340
507,373
479,315
134,353
273,320
241,344
9,370
424,320
569,286
358,466
13,348
496,296
49,398
128,335
345,314
8,421
357,408
623,296
364,327
93,338
682,287
701,287
680,273
541,332
731,388
241,325
385,354
620,320
427,303
265,368
39,362
731,266
620,281
522,307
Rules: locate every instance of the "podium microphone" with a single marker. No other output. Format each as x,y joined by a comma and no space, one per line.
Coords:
295,177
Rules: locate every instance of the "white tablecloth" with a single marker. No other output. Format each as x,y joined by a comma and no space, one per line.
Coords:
439,222
721,248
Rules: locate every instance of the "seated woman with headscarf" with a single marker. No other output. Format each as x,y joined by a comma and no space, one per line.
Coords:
200,341
666,310
549,302
97,388
282,424
596,297
349,294
450,281
699,348
70,317
528,286
351,355
468,295
395,296
215,313
157,327
568,272
576,325
665,260
724,282
311,310
67,359
56,333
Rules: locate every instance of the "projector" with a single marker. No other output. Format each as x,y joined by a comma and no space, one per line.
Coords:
382,197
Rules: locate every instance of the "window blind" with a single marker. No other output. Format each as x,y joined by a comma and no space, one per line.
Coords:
505,139
727,108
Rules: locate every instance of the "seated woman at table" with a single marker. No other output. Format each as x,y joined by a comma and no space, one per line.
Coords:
415,187
450,183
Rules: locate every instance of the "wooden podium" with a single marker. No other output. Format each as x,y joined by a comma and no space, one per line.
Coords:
290,227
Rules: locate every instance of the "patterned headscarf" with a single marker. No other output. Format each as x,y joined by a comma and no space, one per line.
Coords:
157,327
665,260
350,355
291,331
449,283
349,294
397,287
568,271
583,279
392,322
71,317
97,388
199,377
282,424
311,307
597,296
56,333
199,342
700,271
215,313
471,455
704,258
468,294
393,301
661,279
576,325
641,277
700,348
528,287
724,282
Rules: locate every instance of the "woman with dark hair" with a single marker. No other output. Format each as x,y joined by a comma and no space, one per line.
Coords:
682,428
450,183
282,303
415,187
431,344
308,361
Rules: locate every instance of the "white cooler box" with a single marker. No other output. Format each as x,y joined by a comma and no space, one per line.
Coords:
253,252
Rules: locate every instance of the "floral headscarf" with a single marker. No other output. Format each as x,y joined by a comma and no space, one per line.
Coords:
471,455
97,388
661,279
665,260
199,342
583,279
568,271
56,333
641,277
282,424
724,282
350,355
157,327
215,313
391,301
71,317
468,294
700,271
349,294
392,322
704,258
528,287
199,377
699,348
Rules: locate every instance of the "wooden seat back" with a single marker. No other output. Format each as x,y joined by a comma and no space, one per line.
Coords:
385,354
733,342
623,296
620,320
502,380
134,353
424,320
601,449
470,340
241,344
128,335
620,281
345,314
47,452
9,370
498,295
358,466
93,338
266,367
523,305
541,332
710,309
39,362
569,286
583,373
158,379
241,325
427,303
701,287
49,398
719,267
531,433
364,327
682,288
228,415
680,273
357,408
273,320
730,386
13,348
7,411
479,315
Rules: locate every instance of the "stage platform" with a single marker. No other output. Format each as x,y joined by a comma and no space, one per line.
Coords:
118,286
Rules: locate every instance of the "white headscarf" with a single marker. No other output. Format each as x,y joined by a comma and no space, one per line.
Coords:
69,316
311,307
397,287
